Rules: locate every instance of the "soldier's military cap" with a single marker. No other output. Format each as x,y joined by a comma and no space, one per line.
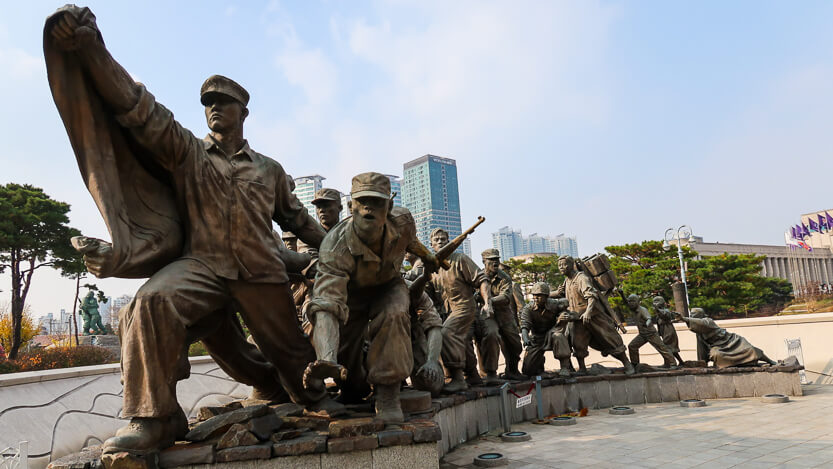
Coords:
218,84
491,253
325,194
541,288
435,231
288,235
370,185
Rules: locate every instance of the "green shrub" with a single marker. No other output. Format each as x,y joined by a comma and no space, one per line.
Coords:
58,357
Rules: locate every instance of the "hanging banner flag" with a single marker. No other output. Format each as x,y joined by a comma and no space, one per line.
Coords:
804,230
798,233
829,220
790,240
813,225
823,223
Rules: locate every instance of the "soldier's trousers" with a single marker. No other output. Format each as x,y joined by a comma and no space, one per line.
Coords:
653,339
455,334
535,355
601,334
487,338
184,302
379,317
510,337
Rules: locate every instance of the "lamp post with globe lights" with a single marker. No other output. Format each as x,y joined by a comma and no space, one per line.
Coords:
684,231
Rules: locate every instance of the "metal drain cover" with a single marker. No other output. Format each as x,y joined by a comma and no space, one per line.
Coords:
491,459
621,410
512,437
692,403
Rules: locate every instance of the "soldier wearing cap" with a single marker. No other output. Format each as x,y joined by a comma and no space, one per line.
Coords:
455,286
227,196
596,328
544,327
646,332
327,207
501,330
359,295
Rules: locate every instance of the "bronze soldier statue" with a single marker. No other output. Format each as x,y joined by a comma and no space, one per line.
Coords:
722,347
544,327
426,342
504,322
596,328
328,207
646,333
360,295
456,285
90,314
195,215
665,327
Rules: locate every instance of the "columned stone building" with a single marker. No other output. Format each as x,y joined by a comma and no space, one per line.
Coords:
800,267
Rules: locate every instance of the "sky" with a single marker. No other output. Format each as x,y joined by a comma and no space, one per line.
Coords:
609,121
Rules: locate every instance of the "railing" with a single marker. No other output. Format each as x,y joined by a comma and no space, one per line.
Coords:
11,458
794,349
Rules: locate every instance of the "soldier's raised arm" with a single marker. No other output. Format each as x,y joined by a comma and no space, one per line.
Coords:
74,31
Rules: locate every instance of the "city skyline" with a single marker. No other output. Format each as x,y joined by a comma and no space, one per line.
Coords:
511,243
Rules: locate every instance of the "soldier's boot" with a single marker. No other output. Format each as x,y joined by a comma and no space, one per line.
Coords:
582,368
680,361
273,396
629,369
511,372
564,372
474,379
143,436
388,406
457,383
492,379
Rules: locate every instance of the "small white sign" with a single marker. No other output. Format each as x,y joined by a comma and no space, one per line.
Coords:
522,401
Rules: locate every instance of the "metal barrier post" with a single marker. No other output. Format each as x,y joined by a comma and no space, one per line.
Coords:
504,408
23,455
539,399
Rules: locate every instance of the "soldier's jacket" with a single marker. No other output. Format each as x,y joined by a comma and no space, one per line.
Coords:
456,284
640,318
541,321
578,291
426,314
346,264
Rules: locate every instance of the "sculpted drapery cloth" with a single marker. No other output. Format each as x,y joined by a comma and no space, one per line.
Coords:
130,191
724,348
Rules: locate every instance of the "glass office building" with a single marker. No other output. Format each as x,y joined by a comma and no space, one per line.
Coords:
430,191
305,188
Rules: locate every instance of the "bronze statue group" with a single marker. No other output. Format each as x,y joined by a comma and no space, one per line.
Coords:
328,301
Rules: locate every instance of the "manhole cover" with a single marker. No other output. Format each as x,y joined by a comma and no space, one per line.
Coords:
562,421
512,437
621,410
692,403
775,398
491,459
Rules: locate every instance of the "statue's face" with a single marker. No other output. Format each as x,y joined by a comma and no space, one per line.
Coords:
540,300
90,294
659,303
565,266
224,114
328,212
633,303
291,244
439,240
370,213
490,266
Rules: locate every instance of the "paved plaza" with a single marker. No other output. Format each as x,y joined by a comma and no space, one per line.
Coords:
739,433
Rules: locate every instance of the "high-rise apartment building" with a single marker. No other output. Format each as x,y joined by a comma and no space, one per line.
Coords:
395,189
513,243
430,191
305,189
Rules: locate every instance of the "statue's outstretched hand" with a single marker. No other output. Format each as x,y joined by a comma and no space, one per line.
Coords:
98,254
74,29
319,370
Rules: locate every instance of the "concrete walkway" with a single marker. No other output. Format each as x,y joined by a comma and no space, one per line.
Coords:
741,433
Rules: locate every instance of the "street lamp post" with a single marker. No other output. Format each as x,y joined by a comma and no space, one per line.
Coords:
681,232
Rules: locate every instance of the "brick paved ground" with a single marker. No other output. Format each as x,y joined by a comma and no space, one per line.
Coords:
740,433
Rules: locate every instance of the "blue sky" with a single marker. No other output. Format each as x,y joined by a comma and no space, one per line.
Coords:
610,121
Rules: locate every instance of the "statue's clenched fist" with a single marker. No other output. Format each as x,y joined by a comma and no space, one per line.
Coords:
74,29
